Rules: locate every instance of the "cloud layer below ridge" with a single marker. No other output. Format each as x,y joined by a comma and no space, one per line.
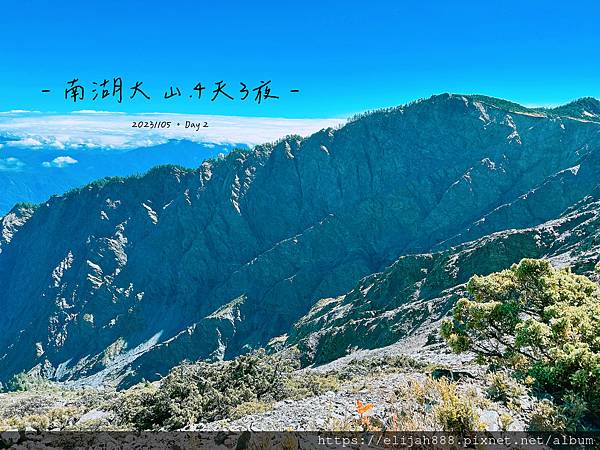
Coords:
97,129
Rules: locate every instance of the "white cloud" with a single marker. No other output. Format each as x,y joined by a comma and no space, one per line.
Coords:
11,164
25,142
94,129
94,111
16,111
61,161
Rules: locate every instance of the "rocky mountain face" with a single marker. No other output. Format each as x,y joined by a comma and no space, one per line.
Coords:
33,174
125,278
418,290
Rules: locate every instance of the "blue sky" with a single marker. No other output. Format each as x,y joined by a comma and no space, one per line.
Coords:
344,57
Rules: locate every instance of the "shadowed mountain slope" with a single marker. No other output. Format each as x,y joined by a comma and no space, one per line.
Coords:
127,277
417,290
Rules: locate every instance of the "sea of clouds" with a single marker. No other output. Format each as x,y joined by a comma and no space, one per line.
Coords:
97,129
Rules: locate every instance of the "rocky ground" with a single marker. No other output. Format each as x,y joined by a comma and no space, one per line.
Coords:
399,393
408,384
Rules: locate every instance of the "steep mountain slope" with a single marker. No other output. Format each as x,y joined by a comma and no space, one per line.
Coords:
586,108
420,289
34,174
125,278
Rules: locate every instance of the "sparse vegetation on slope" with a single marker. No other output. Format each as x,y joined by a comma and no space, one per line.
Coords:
203,392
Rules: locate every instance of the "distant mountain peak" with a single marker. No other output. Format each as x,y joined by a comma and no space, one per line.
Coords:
499,103
584,108
587,108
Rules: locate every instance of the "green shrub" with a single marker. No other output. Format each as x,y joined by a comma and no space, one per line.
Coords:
541,322
25,382
503,388
252,407
54,418
137,406
545,416
309,384
455,413
361,367
568,416
192,393
505,421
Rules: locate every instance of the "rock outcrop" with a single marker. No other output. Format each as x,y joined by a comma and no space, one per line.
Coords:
418,290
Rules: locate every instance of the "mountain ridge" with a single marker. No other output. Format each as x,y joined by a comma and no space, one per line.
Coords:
419,289
500,103
572,109
36,174
210,263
